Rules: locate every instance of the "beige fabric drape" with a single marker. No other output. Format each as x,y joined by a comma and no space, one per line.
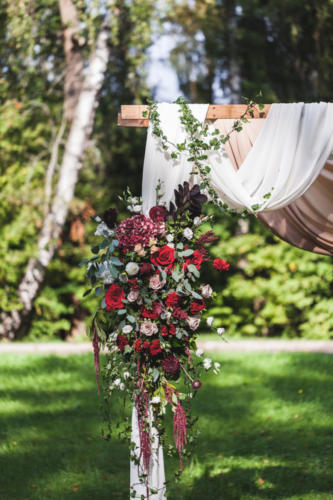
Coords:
306,223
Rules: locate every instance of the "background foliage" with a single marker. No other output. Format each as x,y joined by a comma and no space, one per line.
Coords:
237,48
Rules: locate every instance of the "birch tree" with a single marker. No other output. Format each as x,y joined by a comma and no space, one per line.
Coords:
81,99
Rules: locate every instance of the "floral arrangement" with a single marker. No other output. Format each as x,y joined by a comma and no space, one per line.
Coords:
146,269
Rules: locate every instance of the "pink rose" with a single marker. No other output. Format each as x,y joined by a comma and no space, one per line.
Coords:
148,328
155,283
193,322
206,291
133,295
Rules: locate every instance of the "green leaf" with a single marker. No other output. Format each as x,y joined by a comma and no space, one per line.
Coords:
83,262
116,262
196,295
131,318
121,311
98,291
87,292
103,304
175,276
186,253
193,270
155,374
95,248
180,246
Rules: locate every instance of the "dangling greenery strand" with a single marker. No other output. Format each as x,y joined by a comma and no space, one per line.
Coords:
199,141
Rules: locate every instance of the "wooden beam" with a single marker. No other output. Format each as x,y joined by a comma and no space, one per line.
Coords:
131,115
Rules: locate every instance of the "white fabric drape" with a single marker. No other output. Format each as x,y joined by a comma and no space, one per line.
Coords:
156,476
289,152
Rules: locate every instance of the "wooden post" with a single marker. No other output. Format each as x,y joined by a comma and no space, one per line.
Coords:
131,115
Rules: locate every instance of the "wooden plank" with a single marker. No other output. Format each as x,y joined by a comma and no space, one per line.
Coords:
131,115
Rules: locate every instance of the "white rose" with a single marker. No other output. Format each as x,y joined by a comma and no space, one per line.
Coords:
199,352
155,283
210,320
117,382
122,386
135,200
127,329
193,322
126,375
113,336
188,233
169,237
148,328
132,268
133,295
220,331
206,291
217,366
207,363
137,209
156,400
196,221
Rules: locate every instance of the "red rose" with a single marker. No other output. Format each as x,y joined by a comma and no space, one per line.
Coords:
155,348
165,257
179,313
170,365
154,312
146,268
114,297
195,307
172,299
145,344
196,259
221,265
122,341
137,345
164,331
157,213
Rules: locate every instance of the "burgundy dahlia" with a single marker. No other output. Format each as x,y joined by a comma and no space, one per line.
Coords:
137,229
196,384
146,268
170,365
157,213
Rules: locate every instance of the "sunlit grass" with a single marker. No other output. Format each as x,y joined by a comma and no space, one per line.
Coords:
266,432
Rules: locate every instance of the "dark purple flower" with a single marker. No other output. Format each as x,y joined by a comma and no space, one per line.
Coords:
170,365
196,384
110,217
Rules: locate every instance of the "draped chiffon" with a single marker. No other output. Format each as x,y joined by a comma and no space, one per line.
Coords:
306,223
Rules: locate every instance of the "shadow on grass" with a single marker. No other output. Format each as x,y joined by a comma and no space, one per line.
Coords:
265,422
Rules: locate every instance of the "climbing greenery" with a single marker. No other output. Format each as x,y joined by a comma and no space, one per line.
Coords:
201,139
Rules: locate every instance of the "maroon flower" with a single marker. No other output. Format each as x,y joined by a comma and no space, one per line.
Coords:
155,348
196,384
170,365
114,297
165,257
137,229
152,313
179,313
146,268
122,341
157,213
172,299
221,265
110,217
195,259
197,306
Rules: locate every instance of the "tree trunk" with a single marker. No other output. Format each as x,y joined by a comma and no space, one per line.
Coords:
73,55
68,175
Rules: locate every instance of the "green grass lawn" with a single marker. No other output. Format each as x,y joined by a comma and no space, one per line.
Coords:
266,427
